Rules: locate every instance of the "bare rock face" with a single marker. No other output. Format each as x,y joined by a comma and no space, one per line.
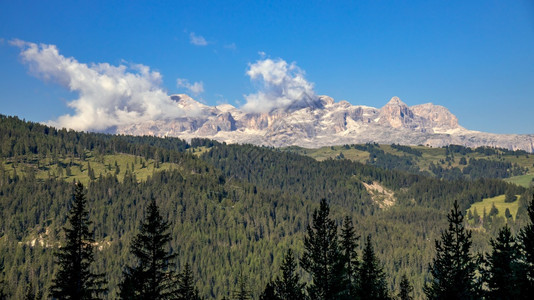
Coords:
323,122
397,114
223,122
437,116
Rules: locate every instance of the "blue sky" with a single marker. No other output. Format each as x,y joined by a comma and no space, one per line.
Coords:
474,57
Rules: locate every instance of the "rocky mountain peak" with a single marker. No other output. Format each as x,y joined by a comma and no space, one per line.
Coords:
397,114
326,100
190,105
226,107
320,121
396,101
439,117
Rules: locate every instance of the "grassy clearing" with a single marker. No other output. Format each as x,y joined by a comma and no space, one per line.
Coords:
523,180
499,203
198,150
71,169
429,155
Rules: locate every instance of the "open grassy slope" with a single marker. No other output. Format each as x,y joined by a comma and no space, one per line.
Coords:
526,180
71,169
499,203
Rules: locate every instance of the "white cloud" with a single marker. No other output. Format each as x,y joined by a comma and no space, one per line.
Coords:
282,86
197,40
195,88
231,46
107,95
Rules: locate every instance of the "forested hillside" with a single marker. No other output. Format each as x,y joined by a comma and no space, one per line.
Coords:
450,162
234,210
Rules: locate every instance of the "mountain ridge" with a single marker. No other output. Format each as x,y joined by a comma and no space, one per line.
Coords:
324,122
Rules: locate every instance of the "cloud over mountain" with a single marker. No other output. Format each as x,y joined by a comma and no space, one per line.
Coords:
281,85
195,87
108,95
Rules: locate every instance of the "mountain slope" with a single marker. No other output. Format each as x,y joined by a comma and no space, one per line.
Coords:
325,122
234,209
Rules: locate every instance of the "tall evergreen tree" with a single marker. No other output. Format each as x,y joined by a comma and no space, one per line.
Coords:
453,268
348,247
526,237
30,293
2,284
371,277
74,279
504,273
242,292
406,289
186,286
152,275
288,286
269,292
322,257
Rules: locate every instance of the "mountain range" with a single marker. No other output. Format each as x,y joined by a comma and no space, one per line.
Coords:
323,122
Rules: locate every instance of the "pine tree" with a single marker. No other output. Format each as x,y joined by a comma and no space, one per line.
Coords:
30,294
322,258
151,277
269,292
510,196
493,211
371,278
74,280
526,237
504,271
348,247
453,268
242,292
2,284
406,289
288,286
186,285
507,213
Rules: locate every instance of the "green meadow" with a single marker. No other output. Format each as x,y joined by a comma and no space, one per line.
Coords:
76,169
526,180
486,205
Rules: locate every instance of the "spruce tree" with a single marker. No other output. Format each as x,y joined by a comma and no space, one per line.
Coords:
453,268
242,292
186,285
269,292
30,294
348,247
322,257
510,196
406,289
371,278
504,270
526,237
288,286
74,279
152,275
2,283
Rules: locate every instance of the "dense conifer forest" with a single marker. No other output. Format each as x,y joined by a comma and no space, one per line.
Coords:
249,222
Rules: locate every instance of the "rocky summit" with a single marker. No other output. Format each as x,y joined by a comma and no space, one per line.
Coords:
324,122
